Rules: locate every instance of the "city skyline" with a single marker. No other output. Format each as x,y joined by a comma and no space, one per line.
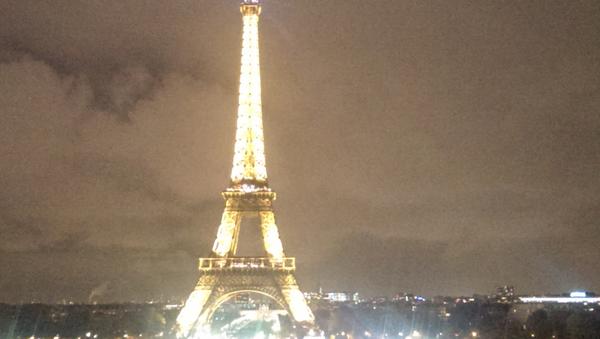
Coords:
432,148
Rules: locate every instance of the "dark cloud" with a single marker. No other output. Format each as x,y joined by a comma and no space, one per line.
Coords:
446,147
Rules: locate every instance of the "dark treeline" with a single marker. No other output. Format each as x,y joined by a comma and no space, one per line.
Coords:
72,321
461,320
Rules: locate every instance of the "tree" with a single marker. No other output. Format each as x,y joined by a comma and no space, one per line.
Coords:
539,324
583,325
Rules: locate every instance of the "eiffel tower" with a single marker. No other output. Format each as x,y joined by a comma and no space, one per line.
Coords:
224,274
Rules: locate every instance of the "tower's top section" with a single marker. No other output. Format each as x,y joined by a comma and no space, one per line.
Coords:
250,7
249,173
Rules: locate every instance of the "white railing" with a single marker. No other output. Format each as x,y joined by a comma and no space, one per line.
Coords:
247,263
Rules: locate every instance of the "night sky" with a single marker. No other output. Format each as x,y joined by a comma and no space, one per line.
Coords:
434,147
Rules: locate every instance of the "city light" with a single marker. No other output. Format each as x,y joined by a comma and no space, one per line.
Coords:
560,300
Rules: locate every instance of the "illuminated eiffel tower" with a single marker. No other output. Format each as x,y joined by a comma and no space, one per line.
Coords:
224,274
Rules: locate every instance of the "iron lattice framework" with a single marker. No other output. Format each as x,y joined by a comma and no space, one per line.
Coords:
248,195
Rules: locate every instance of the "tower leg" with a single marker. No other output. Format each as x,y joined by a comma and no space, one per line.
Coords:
271,235
195,306
295,300
225,241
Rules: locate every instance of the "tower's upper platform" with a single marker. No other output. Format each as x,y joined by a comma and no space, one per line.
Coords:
250,7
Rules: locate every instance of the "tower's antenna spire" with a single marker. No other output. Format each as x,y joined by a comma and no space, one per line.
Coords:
249,171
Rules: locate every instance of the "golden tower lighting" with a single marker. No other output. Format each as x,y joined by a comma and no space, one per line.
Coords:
224,274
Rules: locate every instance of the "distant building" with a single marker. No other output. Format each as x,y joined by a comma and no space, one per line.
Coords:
505,294
573,297
408,297
335,297
506,290
313,296
342,296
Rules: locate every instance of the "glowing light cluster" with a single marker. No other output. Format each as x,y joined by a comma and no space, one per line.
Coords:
249,153
561,300
270,235
298,307
191,311
224,243
248,195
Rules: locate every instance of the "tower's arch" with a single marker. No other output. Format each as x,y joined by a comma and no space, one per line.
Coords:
229,296
222,278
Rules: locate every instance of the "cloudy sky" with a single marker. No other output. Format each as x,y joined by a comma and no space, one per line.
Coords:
436,147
